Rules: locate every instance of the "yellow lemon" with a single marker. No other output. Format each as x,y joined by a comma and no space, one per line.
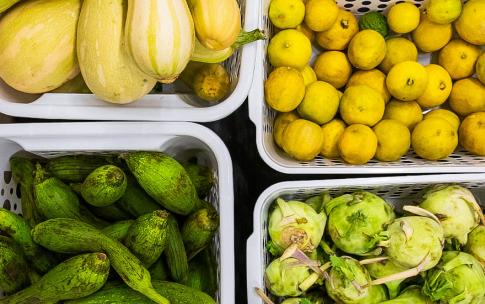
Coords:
374,79
281,121
333,67
393,140
471,23
458,58
302,139
443,11
340,94
284,89
449,116
339,35
434,138
467,96
403,17
438,89
361,105
367,49
472,133
320,103
331,135
480,68
407,112
398,50
303,28
430,36
290,48
407,80
286,13
309,75
357,144
321,14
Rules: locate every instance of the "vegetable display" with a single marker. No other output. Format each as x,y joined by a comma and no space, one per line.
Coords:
67,251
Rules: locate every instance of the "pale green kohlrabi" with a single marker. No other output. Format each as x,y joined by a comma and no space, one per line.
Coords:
318,202
347,283
295,222
356,222
283,277
384,269
456,208
310,298
414,242
410,295
476,244
458,278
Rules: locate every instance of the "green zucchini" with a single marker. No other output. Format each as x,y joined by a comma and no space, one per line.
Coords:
147,237
202,178
159,270
164,179
203,273
175,252
18,229
136,201
198,230
104,186
116,293
14,271
23,174
74,278
119,230
72,236
75,168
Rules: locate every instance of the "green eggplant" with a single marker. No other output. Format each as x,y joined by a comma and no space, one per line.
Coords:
159,270
202,178
112,213
118,230
198,230
136,201
104,186
175,252
75,168
14,271
203,273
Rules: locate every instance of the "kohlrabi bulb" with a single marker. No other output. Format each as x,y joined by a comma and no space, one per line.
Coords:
356,221
283,277
311,298
476,244
386,268
410,295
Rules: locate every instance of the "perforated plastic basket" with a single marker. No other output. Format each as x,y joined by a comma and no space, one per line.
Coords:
263,117
172,105
182,140
395,190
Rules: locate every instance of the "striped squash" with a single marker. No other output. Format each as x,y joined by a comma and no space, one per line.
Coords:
6,4
38,45
106,65
160,35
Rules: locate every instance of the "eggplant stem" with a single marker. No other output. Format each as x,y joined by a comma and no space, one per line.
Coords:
402,275
311,279
422,212
373,260
263,296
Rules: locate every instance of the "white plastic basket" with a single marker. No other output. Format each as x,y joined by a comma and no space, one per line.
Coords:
395,190
172,105
263,117
181,140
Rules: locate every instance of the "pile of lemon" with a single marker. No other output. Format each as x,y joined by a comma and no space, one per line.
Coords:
364,96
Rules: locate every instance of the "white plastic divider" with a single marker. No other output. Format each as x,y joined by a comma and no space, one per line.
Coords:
153,107
397,191
182,140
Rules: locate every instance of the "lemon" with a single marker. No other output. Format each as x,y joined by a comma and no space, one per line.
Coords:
472,133
361,105
320,103
438,89
340,94
281,121
290,48
333,67
321,14
331,135
434,138
443,11
367,49
305,30
357,144
286,13
480,68
393,140
398,50
403,17
339,35
284,89
449,116
458,58
430,36
471,23
374,79
407,112
467,96
309,75
302,139
407,80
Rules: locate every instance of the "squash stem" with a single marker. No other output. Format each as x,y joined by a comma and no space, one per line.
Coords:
248,37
